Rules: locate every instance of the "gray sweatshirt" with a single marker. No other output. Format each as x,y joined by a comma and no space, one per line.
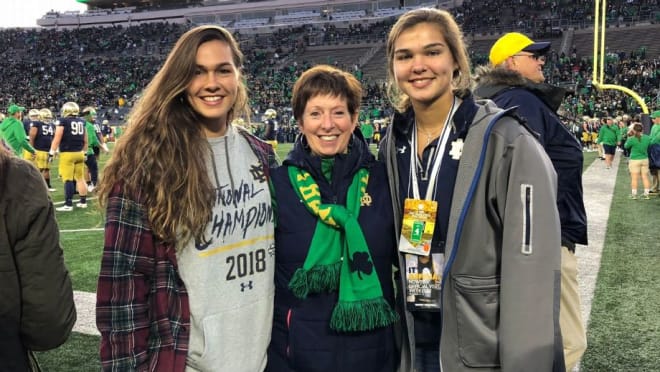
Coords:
229,275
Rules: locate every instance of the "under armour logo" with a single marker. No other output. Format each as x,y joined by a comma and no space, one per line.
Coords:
247,285
401,150
271,250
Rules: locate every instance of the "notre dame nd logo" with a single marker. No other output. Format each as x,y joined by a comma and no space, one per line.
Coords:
365,200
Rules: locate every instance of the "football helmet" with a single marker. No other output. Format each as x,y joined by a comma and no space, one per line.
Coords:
270,113
34,114
89,110
70,109
45,114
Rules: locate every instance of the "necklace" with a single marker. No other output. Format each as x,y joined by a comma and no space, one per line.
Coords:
429,135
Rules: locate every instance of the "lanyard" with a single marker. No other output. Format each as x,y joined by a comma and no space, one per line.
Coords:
437,159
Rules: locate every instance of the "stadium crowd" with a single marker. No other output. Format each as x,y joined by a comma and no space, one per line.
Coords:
82,74
108,67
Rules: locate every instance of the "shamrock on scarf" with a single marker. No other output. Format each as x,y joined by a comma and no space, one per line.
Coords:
360,263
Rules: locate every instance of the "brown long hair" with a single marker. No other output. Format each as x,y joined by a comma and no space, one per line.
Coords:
637,129
454,37
162,155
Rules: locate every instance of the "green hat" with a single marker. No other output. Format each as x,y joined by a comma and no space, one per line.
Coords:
655,114
13,108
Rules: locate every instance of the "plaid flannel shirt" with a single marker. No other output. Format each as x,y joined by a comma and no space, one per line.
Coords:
142,308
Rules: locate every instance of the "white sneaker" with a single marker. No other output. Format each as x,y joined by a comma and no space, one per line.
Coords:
90,188
64,208
81,205
51,189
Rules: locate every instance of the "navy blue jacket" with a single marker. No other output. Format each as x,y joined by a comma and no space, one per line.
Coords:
537,104
302,340
402,123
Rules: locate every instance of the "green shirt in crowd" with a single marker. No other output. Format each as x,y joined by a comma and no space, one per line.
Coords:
655,133
367,130
13,132
608,135
638,146
92,138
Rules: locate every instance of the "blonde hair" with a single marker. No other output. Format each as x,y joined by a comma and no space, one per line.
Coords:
161,155
455,41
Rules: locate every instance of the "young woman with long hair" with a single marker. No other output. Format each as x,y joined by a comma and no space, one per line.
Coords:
187,271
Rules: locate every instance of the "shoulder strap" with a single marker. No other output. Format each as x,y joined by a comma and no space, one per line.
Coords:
487,108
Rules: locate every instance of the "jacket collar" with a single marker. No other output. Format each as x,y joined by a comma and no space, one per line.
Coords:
345,165
491,81
403,121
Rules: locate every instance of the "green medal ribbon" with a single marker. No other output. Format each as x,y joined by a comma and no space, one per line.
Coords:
339,258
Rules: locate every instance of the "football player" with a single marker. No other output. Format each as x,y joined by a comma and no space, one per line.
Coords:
270,134
71,138
41,135
32,117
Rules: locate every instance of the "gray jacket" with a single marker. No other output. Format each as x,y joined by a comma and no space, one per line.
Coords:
501,280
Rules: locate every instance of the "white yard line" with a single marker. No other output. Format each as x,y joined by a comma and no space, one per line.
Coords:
82,230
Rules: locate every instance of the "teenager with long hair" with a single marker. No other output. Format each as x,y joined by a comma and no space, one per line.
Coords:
186,279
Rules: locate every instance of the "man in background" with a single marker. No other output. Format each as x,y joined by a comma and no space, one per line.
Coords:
13,132
515,78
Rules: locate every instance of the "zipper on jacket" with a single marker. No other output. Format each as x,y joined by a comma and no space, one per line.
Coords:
526,193
464,209
288,329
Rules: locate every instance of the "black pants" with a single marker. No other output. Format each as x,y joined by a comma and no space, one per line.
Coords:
93,168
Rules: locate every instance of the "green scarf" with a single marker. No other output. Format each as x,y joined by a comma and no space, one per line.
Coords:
339,258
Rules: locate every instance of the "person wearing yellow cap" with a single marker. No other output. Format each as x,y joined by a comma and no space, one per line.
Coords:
515,78
13,132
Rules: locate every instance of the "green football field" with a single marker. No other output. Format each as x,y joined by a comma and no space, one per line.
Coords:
624,327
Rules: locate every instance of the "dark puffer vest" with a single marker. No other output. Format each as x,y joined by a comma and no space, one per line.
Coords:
302,340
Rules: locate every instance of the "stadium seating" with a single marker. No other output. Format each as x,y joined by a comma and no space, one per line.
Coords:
100,66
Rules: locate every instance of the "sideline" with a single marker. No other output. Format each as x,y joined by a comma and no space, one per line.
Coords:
598,187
